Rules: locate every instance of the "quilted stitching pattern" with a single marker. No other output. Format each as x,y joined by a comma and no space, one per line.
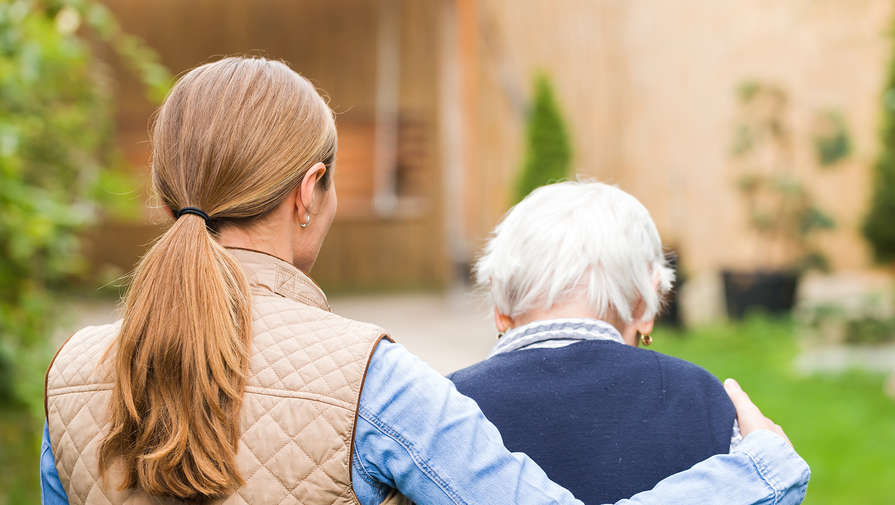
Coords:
305,372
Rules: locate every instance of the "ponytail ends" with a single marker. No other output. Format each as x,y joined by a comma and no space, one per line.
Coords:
180,365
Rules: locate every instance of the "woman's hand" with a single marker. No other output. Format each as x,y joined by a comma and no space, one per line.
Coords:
748,414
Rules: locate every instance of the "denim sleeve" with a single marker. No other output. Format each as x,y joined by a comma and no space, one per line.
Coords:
51,492
416,433
762,469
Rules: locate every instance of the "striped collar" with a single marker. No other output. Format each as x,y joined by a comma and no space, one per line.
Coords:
555,333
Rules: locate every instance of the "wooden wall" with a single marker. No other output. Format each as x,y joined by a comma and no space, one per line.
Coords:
333,43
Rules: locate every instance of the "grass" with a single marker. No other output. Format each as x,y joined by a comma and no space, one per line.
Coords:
843,425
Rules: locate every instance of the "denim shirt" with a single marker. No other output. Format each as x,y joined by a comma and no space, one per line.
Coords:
416,433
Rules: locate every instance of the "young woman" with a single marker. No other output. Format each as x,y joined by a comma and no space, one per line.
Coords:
229,380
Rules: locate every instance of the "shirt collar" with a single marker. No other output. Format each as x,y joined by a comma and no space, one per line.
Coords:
268,274
571,329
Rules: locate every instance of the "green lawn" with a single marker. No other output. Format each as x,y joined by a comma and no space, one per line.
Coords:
843,425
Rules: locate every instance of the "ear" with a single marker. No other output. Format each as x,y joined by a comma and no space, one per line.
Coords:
503,322
645,327
307,190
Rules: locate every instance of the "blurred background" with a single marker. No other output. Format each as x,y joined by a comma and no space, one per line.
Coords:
759,134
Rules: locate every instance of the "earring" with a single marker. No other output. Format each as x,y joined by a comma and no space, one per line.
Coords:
306,223
646,340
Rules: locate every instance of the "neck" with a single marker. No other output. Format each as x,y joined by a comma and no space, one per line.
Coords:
576,309
235,236
571,311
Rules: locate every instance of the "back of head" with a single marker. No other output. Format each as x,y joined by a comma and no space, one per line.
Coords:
574,238
233,138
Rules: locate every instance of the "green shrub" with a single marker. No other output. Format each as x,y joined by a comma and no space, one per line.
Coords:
879,224
548,153
58,170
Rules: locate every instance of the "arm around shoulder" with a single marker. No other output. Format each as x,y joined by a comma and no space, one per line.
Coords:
764,469
418,434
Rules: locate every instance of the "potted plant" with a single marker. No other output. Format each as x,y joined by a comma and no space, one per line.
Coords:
780,209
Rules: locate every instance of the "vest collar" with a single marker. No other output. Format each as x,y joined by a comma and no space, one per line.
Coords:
267,273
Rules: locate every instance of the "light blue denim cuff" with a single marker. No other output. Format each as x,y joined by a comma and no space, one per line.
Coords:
51,491
778,465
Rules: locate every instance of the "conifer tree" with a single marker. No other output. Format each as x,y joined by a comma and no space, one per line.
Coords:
548,153
879,225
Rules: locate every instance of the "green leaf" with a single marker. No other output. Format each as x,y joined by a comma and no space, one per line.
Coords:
750,183
58,166
832,142
815,219
814,260
747,90
743,140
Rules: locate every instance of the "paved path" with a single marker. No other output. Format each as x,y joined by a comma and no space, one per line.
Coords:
837,359
449,330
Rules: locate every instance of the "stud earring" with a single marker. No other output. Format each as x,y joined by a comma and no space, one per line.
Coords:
306,223
646,340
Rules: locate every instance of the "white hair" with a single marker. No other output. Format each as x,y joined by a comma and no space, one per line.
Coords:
572,236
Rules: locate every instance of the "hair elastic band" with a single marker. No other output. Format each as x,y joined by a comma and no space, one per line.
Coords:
192,210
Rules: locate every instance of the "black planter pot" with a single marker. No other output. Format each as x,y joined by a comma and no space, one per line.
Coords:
772,291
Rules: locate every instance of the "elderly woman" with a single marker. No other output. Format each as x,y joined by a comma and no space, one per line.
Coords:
577,276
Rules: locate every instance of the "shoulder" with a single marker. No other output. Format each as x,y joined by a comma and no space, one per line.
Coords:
91,336
607,357
471,370
528,359
688,388
392,362
283,316
399,384
82,351
500,364
78,360
298,347
683,370
689,384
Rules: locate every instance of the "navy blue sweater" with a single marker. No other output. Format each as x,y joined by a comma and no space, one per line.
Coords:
603,419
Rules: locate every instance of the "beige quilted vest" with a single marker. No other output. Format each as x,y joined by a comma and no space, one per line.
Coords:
306,370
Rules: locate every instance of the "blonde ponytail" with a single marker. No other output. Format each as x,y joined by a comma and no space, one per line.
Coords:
233,138
181,367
